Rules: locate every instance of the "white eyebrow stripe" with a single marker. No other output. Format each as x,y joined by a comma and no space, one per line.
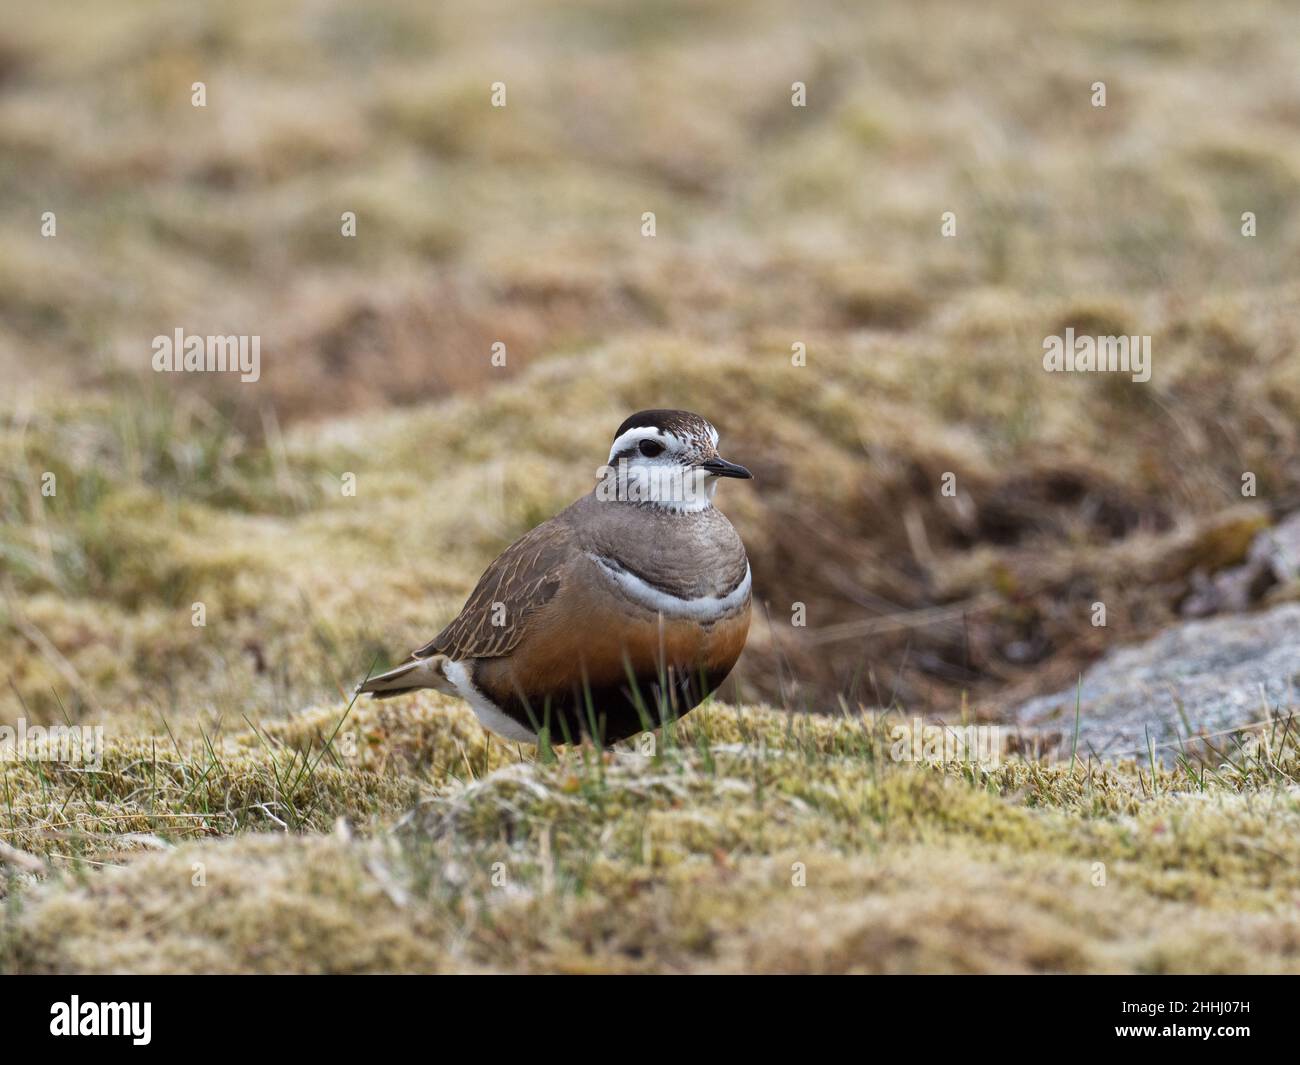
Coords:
646,432
705,608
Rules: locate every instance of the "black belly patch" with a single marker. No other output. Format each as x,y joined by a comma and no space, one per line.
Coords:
610,713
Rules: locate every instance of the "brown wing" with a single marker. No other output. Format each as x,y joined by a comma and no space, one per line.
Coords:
524,578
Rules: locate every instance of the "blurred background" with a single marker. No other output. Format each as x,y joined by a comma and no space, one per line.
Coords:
775,225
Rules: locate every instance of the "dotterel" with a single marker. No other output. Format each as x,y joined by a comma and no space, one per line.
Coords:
622,611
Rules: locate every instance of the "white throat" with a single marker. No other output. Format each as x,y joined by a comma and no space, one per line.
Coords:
672,488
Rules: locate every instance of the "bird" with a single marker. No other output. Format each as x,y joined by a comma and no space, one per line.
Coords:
622,612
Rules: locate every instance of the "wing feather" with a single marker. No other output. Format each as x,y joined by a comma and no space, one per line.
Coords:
522,580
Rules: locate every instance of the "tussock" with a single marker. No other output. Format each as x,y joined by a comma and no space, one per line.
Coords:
366,841
749,840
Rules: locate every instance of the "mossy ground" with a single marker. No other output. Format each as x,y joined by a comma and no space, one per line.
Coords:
775,226
746,840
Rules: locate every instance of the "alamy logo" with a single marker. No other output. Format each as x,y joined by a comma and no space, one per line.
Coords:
1071,354
103,1018
919,742
194,354
82,744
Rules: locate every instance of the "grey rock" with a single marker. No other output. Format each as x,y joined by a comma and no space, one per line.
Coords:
1273,558
1279,547
1230,591
1224,672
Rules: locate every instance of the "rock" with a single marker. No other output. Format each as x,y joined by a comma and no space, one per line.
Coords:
1229,592
1280,548
1213,669
1273,558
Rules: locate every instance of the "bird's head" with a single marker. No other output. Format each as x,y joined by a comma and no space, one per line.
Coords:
666,457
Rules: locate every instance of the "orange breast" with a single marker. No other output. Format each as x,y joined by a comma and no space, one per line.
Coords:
596,642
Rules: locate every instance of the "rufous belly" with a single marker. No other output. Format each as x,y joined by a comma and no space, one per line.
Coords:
610,656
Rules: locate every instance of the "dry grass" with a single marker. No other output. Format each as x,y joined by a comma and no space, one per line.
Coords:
748,841
776,225
163,507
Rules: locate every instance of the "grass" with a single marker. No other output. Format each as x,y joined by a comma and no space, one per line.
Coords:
749,840
198,580
816,225
302,584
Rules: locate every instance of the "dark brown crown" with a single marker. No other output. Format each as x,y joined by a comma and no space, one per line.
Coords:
683,424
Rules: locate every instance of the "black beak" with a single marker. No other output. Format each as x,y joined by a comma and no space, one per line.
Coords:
723,468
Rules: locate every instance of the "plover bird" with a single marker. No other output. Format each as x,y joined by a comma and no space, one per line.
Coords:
622,611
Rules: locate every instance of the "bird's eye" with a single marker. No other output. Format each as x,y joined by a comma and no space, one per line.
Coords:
650,448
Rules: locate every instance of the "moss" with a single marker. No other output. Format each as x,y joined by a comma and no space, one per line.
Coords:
521,225
748,841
